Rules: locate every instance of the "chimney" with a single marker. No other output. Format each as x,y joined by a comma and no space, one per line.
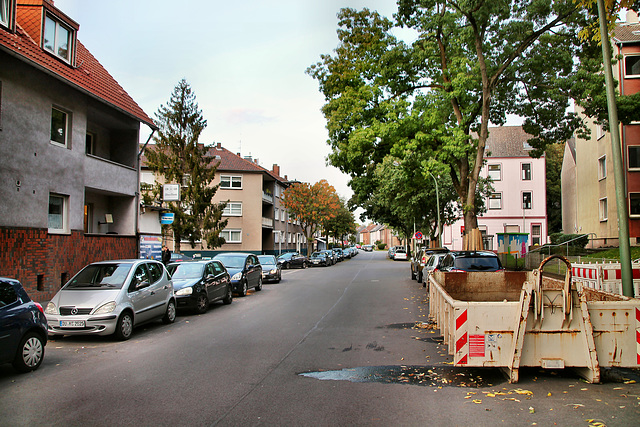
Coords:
219,146
276,169
239,155
248,158
285,178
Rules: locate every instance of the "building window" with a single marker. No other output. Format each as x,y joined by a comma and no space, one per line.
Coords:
602,167
527,199
6,8
59,126
57,38
634,205
632,66
276,214
233,209
600,131
536,234
526,171
228,181
58,213
634,157
88,218
494,172
89,143
603,209
232,236
495,201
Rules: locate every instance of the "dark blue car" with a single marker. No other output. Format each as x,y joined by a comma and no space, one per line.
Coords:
23,327
245,271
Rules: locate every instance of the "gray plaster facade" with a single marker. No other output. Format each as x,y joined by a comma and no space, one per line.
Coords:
104,179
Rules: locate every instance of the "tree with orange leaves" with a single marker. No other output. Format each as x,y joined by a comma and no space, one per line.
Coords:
311,205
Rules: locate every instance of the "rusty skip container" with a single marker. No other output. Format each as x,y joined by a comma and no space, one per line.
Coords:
511,319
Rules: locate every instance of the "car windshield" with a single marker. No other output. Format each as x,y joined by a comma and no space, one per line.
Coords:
106,276
267,259
318,255
231,261
482,263
186,270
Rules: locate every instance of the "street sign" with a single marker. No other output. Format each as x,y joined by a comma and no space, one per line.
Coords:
166,218
418,235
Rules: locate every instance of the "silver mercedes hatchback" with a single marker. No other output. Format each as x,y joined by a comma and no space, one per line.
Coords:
112,297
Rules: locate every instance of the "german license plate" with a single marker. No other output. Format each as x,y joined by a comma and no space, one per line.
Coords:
72,324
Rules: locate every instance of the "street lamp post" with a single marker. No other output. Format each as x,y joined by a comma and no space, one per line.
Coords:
438,207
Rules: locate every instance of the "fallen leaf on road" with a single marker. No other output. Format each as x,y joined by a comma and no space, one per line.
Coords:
477,401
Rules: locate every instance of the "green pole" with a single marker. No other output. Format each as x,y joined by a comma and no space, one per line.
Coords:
618,167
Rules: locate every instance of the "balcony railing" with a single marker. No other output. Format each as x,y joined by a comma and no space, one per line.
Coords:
267,222
267,197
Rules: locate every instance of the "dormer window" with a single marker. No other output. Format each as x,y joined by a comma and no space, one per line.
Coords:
6,7
57,38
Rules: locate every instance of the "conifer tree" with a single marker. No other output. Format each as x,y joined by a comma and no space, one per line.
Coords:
179,158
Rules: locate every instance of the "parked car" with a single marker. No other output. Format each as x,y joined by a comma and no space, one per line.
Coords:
367,248
179,257
197,284
400,254
112,297
338,253
293,260
320,258
433,263
245,271
23,327
420,258
470,261
331,255
392,250
271,270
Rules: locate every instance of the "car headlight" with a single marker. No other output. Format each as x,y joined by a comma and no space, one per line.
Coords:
185,291
237,276
106,308
51,309
274,271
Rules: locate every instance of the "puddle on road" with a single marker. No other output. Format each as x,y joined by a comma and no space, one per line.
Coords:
428,376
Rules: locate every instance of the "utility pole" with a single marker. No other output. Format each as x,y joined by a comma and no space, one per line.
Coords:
618,167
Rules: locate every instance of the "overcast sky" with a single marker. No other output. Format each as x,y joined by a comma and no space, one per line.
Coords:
245,60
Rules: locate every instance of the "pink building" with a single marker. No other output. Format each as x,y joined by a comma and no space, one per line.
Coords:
518,201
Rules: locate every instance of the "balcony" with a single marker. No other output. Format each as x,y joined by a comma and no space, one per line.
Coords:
268,198
267,222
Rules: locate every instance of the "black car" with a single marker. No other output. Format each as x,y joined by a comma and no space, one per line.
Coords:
197,284
271,270
320,258
419,260
245,271
293,260
23,327
470,261
331,255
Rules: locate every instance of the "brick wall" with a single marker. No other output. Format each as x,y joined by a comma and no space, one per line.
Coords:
43,262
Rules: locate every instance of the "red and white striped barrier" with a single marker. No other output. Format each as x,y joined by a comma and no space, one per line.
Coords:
462,341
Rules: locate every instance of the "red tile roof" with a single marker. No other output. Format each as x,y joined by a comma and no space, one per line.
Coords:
89,76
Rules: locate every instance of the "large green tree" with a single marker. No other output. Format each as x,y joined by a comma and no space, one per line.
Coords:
178,158
472,64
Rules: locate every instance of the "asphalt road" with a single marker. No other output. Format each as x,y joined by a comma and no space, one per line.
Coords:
326,346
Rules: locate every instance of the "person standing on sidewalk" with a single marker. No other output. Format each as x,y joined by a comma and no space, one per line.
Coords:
166,255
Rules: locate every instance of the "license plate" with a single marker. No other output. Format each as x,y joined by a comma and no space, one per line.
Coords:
72,323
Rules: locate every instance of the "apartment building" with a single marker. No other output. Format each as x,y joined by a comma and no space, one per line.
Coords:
518,201
258,222
588,183
69,151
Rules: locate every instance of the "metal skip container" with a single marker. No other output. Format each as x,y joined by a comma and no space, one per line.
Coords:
511,319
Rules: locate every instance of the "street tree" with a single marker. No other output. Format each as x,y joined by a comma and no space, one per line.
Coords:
177,157
312,205
342,224
471,64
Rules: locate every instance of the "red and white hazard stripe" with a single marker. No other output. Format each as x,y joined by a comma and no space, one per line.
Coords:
462,339
638,335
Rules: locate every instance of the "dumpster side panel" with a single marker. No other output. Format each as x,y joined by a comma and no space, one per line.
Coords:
616,331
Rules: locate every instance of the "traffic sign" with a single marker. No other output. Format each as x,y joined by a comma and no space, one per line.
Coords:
166,218
418,235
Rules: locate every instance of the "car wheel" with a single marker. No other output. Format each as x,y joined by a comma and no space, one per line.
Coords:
279,278
124,327
170,314
243,291
413,275
304,264
228,299
259,285
30,353
202,304
419,277
286,266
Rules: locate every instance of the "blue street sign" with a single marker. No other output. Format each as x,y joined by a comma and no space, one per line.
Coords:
166,218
